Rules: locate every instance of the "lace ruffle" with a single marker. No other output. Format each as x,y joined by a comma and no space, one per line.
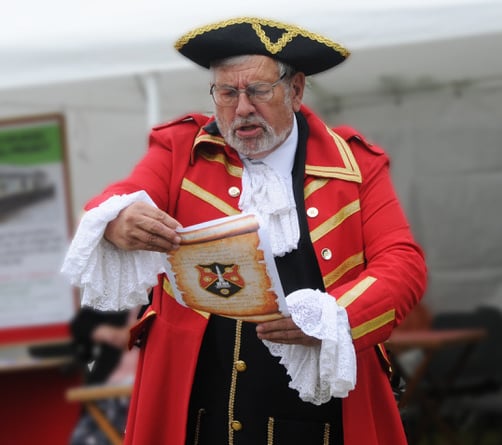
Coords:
111,279
325,371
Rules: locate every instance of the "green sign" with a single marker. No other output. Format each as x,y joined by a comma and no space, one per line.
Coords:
28,145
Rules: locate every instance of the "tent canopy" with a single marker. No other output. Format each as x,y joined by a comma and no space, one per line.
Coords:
58,41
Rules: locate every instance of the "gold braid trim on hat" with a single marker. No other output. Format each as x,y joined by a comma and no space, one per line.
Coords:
276,47
256,23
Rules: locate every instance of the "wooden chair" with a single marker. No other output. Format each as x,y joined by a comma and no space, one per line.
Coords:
89,395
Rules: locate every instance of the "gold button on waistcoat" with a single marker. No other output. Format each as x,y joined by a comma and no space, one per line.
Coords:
326,253
236,425
240,365
234,191
312,212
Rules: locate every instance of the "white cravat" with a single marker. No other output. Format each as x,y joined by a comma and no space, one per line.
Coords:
268,195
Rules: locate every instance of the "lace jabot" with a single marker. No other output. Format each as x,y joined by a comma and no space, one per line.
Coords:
266,194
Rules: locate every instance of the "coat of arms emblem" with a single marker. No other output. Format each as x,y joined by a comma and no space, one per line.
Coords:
222,280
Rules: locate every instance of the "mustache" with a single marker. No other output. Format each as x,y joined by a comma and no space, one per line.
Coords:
246,121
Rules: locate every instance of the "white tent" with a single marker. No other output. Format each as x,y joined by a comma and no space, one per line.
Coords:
424,80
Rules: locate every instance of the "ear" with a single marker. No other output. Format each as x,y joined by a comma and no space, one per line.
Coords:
297,88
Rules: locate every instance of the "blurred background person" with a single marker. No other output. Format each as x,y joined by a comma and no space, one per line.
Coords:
101,346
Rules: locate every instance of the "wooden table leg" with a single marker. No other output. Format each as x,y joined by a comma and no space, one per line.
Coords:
105,425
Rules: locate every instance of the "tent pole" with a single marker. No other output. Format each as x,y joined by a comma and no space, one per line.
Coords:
151,89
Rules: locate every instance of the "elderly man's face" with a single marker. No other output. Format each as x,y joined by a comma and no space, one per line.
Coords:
256,129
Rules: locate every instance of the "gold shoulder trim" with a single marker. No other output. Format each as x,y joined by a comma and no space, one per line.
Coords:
333,222
348,264
232,170
353,294
290,32
349,172
208,197
373,325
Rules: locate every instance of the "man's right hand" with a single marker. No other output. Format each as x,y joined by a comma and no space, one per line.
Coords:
142,226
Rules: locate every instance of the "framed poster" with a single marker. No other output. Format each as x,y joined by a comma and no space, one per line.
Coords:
36,302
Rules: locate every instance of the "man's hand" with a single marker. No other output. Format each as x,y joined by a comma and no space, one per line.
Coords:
284,331
143,227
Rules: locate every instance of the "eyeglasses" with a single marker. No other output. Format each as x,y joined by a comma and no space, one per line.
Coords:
257,92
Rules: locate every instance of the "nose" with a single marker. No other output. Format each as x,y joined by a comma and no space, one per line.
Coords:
244,105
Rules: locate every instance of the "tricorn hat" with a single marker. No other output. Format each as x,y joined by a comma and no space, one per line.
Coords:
305,51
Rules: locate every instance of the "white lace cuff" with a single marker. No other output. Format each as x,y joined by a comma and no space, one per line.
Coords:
111,279
321,372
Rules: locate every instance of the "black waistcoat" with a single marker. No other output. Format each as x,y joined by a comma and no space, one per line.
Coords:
264,409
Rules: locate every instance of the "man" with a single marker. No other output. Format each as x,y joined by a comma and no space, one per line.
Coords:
341,243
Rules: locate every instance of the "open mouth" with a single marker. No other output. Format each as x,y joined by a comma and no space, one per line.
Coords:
248,130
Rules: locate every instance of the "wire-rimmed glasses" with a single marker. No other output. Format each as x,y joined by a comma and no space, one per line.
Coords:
226,96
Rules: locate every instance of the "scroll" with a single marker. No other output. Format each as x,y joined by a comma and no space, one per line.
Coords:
225,267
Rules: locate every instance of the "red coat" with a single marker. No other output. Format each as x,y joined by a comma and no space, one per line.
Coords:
368,258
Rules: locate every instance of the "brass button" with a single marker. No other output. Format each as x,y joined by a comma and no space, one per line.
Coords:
240,365
234,192
236,425
312,212
326,253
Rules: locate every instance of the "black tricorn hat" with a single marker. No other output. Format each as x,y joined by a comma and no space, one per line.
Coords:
305,51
